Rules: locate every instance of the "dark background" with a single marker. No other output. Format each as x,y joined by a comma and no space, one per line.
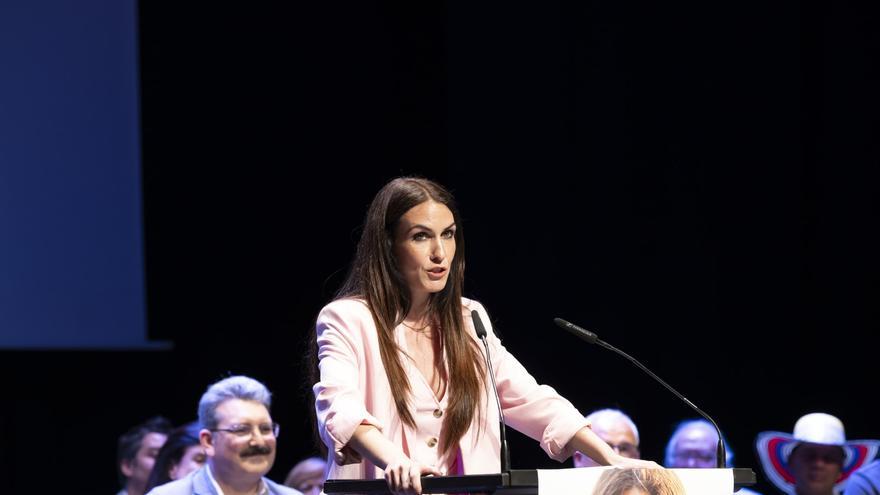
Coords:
695,182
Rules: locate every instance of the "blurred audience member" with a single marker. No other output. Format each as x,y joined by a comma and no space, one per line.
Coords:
617,430
307,476
816,459
694,444
239,438
182,454
865,481
136,453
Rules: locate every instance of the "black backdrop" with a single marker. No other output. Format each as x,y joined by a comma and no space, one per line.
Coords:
695,182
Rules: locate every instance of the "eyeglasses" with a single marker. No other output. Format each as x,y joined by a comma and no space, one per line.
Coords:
695,458
246,430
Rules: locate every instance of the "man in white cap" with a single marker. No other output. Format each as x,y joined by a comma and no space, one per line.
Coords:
816,459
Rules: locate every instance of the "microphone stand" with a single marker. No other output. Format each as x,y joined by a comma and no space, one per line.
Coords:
505,452
592,338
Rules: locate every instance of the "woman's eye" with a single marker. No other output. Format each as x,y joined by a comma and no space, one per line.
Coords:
448,234
421,236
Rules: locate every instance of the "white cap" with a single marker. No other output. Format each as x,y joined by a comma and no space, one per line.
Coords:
819,428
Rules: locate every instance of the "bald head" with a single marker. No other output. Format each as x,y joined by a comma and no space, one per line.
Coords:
617,430
694,444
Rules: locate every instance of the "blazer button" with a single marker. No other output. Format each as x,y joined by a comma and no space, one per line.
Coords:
438,413
432,442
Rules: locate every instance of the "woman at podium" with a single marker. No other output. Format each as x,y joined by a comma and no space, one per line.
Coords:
403,388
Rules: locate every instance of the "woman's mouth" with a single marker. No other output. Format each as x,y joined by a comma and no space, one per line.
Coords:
437,273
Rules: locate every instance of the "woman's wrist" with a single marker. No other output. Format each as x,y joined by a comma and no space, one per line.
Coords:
371,444
587,442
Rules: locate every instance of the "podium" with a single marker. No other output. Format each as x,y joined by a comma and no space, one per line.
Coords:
515,482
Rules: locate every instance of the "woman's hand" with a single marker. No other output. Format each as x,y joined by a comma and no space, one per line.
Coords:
590,444
404,476
622,462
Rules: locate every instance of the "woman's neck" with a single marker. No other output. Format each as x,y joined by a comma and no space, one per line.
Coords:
418,312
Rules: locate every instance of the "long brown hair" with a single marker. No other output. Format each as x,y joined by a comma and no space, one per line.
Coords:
376,278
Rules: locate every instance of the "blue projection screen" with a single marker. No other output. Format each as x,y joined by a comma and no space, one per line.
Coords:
71,237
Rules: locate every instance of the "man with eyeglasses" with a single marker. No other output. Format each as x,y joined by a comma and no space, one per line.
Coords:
617,430
694,444
239,438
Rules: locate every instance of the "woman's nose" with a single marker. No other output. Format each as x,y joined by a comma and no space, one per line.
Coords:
438,251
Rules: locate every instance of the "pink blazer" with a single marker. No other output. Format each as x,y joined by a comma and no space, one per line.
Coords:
353,390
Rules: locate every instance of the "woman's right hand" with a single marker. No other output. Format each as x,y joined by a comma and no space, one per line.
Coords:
404,476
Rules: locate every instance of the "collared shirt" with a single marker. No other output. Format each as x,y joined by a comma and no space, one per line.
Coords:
263,490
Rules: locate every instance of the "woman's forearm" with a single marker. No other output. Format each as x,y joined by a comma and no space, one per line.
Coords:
590,444
370,443
594,447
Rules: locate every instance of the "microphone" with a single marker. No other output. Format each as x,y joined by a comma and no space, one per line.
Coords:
592,338
577,331
481,334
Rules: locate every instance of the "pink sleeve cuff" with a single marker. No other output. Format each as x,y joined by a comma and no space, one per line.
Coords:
558,434
340,429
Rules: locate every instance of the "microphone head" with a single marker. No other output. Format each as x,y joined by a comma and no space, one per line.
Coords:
576,330
478,325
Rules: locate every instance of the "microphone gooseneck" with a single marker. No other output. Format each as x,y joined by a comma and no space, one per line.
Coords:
592,338
481,334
